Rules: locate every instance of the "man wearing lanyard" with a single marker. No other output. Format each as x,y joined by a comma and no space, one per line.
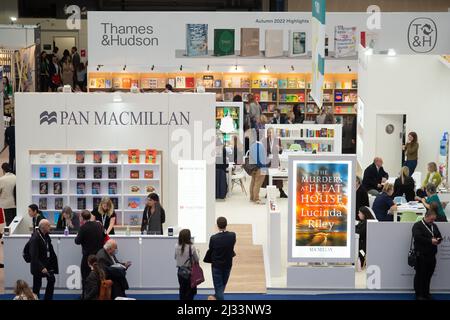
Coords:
426,239
44,263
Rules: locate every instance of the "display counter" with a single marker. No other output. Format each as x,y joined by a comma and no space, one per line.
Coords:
153,264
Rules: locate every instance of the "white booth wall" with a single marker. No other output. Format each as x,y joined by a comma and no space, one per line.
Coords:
414,85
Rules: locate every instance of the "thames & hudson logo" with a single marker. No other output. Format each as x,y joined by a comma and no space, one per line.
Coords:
422,35
49,117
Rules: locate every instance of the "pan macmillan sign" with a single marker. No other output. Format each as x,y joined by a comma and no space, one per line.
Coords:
114,35
110,118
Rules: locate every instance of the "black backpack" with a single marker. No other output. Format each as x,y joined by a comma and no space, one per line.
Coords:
26,252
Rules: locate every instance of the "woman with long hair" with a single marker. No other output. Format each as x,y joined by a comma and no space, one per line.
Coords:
411,149
364,214
44,74
153,216
69,219
404,185
23,291
185,255
94,280
433,176
106,215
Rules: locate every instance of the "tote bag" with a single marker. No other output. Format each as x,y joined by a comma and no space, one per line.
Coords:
197,276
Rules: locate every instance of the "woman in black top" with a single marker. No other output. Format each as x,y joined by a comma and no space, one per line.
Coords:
426,237
106,215
94,280
35,215
404,185
153,216
69,219
364,214
362,197
299,116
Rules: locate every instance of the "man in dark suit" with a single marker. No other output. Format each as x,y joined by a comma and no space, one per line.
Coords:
375,177
44,263
278,118
114,269
362,198
220,254
90,237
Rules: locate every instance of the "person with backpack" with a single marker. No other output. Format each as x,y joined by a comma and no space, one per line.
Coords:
96,286
43,260
185,255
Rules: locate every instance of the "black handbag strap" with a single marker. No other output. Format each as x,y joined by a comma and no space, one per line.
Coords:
411,246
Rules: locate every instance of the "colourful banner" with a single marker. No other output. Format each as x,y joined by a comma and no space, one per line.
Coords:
318,49
322,208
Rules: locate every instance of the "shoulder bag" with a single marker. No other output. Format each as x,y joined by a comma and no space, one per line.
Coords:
197,276
412,255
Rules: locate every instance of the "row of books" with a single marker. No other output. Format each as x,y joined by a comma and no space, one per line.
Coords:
112,188
318,147
339,96
228,96
346,109
225,111
43,172
133,156
97,173
292,97
305,133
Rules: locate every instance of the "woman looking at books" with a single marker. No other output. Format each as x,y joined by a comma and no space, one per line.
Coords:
68,219
106,215
153,216
411,150
255,111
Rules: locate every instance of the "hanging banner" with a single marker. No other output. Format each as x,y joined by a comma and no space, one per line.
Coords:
321,208
26,67
344,41
318,50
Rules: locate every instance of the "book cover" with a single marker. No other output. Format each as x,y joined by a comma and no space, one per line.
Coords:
171,81
180,82
98,172
81,187
134,220
297,43
117,83
81,203
79,156
134,202
98,156
113,156
338,96
148,174
81,172
56,172
57,188
354,83
196,40
115,202
58,157
42,158
112,173
96,202
59,203
134,189
43,203
108,83
190,82
100,83
43,172
217,83
223,42
126,83
43,188
133,155
134,83
92,83
112,187
150,156
208,81
264,96
161,82
134,174
150,189
249,42
282,83
274,43
96,187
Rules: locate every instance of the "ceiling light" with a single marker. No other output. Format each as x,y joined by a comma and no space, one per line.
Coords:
13,19
181,68
153,67
124,67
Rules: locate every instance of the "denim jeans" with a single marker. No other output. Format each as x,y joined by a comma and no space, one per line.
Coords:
411,164
220,279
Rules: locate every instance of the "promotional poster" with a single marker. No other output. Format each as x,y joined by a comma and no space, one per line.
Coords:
322,208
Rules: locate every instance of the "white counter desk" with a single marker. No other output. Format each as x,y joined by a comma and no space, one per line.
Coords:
152,257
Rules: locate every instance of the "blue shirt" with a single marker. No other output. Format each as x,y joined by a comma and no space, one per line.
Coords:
258,154
381,206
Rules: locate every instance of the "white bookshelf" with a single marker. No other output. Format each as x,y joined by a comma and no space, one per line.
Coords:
331,142
70,182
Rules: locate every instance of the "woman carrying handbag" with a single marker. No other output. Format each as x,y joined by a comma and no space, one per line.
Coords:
186,257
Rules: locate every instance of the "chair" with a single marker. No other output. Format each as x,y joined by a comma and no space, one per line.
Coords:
408,216
447,211
371,200
295,147
400,200
237,176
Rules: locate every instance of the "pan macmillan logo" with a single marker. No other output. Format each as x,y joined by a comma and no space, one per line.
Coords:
110,118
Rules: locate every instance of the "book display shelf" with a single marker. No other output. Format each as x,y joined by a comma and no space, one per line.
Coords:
80,179
272,90
319,138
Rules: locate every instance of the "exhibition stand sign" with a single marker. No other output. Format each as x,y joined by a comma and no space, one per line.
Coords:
321,208
318,50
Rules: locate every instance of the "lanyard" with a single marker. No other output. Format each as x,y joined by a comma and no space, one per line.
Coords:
431,231
46,244
104,219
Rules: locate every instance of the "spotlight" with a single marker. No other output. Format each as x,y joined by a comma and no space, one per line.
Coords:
207,68
181,68
292,68
391,52
235,68
153,67
99,66
13,19
349,69
124,67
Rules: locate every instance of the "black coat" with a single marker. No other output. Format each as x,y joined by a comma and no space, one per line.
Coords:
92,287
362,199
422,238
35,221
221,250
361,229
38,253
117,275
282,120
406,188
372,177
91,237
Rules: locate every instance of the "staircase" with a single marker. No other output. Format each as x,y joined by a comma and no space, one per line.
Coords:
248,273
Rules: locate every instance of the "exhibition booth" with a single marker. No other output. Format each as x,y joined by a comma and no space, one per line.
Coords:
126,138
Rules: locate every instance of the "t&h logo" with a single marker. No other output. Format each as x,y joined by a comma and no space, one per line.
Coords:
422,35
49,117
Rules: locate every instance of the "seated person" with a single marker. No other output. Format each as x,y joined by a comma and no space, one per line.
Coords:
278,118
404,185
433,176
433,198
374,177
362,198
364,214
383,204
113,268
69,219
